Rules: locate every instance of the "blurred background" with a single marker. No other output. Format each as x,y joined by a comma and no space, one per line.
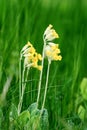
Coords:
22,21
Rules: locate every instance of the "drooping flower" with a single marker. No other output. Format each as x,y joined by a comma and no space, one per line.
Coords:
26,46
50,34
28,50
52,52
31,57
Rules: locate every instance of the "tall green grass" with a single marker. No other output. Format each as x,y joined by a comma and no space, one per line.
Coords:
21,21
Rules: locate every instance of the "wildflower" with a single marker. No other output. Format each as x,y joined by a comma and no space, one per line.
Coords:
39,67
28,50
50,34
26,46
52,51
31,57
35,60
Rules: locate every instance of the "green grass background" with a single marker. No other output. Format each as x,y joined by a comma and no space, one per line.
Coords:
26,20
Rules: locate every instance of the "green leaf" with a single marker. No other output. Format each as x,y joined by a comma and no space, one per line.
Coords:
1,117
38,120
13,113
83,88
23,118
44,120
81,112
34,123
32,107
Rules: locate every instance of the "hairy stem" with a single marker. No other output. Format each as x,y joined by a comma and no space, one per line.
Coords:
47,77
39,86
20,79
23,89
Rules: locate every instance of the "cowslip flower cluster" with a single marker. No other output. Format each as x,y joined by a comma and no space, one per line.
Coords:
51,50
50,34
31,57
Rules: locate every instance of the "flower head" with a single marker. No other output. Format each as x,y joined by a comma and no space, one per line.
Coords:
31,57
50,34
52,52
28,50
26,46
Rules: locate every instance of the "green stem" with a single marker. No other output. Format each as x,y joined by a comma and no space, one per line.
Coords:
47,77
39,86
23,89
20,79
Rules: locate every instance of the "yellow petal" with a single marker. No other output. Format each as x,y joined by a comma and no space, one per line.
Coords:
39,56
39,67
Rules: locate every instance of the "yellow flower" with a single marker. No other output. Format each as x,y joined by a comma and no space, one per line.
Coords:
32,50
32,61
26,46
31,57
39,67
28,50
52,52
57,57
50,34
39,56
35,60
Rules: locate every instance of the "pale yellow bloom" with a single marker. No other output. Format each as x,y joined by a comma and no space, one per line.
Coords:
52,52
28,50
48,29
27,61
50,34
31,57
39,56
39,67
26,46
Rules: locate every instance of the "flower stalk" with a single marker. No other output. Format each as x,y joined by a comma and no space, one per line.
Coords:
20,78
23,89
50,51
40,79
47,77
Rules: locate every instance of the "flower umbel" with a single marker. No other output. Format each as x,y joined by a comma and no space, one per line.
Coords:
31,57
50,34
52,51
